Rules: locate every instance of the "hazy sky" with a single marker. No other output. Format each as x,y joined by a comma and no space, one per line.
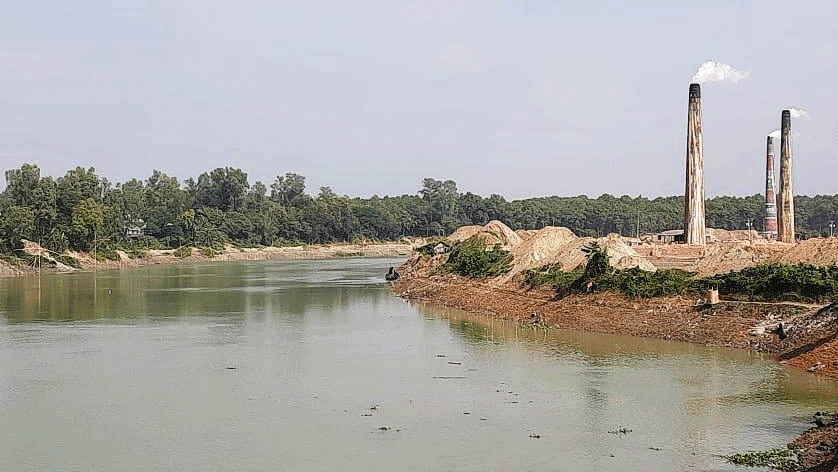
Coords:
522,98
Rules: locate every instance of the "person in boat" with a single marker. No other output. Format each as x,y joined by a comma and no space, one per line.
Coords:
391,274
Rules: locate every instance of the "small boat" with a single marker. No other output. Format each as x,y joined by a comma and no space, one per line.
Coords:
391,275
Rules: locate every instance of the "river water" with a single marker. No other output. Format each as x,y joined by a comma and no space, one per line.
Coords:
298,365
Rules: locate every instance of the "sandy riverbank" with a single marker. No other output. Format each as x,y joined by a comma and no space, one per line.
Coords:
168,256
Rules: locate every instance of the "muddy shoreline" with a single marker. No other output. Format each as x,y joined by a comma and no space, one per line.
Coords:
730,324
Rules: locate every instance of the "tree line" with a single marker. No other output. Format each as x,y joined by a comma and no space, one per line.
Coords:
82,211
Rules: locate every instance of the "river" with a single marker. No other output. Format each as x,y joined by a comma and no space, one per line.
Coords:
315,365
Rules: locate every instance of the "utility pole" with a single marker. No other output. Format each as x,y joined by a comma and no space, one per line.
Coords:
638,225
831,225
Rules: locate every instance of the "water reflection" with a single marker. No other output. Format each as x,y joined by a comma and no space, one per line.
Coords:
718,391
292,287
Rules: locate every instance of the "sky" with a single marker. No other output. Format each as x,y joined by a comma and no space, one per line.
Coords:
522,98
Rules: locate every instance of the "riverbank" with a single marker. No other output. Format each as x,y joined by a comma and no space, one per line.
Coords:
85,261
735,324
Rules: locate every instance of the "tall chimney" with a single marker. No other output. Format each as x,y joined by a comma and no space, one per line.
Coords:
694,229
770,199
785,213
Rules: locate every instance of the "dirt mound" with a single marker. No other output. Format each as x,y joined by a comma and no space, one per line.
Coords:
35,249
723,235
820,251
623,256
566,249
464,232
507,237
526,234
493,233
724,257
544,243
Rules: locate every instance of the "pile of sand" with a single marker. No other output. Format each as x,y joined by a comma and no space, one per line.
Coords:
493,233
526,234
723,235
820,251
34,249
724,257
464,232
507,237
624,256
554,245
540,247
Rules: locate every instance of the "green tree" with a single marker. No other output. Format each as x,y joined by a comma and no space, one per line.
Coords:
289,190
87,223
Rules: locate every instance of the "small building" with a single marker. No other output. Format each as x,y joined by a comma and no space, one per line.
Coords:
135,229
670,236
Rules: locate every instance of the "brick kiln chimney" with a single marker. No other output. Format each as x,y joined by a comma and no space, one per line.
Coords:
770,199
785,208
694,223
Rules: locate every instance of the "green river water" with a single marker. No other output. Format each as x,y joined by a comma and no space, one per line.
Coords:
297,365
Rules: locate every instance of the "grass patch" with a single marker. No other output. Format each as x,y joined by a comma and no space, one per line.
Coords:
68,261
209,251
780,459
639,283
106,254
471,258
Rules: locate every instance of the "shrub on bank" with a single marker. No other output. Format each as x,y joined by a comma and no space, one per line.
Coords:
805,282
428,249
68,261
773,282
106,253
639,283
471,258
183,252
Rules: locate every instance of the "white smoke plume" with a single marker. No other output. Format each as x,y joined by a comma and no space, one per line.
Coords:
717,72
775,134
798,113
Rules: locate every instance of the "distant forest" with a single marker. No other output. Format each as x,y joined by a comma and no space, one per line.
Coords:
81,210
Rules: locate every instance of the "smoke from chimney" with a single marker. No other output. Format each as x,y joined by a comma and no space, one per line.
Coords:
694,223
798,113
712,71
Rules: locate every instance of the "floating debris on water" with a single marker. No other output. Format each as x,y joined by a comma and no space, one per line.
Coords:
449,377
535,436
455,363
620,430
